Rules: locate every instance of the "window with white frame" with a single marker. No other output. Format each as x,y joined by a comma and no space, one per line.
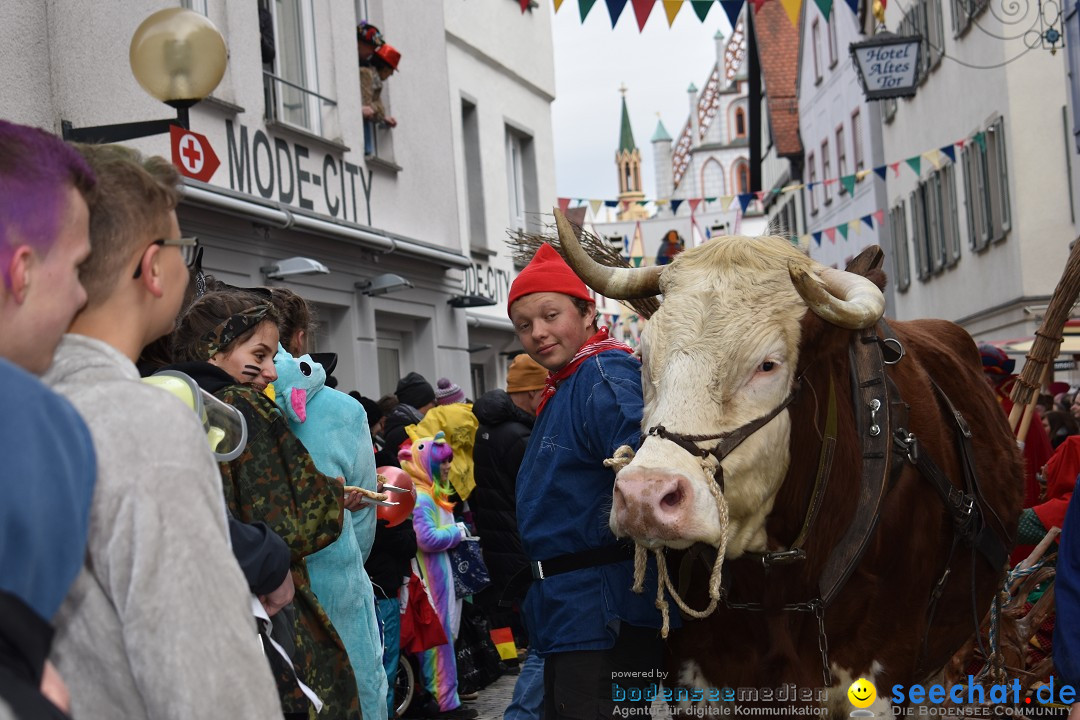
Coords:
963,12
474,179
923,18
293,86
856,140
986,187
521,180
812,178
815,42
935,228
826,171
841,156
198,6
834,56
898,231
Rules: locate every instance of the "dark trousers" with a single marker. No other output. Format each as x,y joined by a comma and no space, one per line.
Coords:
594,684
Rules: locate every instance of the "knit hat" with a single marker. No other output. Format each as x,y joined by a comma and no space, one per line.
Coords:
448,392
995,361
525,374
374,412
414,390
547,272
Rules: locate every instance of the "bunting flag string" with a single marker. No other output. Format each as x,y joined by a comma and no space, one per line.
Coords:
642,10
671,9
615,8
934,157
732,8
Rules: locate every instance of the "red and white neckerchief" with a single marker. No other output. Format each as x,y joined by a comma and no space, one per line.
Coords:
598,343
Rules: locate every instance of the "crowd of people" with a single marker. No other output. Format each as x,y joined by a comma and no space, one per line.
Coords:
153,570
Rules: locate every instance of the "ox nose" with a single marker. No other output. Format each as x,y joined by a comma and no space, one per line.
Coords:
652,504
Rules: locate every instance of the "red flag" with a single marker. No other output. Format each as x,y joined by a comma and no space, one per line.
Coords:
694,202
564,203
642,10
524,5
757,4
895,168
831,234
879,215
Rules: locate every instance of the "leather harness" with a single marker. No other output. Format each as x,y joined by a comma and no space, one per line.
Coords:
886,444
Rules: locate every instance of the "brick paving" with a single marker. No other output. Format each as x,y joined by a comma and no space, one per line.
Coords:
494,698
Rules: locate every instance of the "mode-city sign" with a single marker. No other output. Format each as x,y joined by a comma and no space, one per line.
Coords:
292,173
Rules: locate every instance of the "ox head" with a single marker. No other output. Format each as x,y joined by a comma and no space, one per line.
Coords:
719,353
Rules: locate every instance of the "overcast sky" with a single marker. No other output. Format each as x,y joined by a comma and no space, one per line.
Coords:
592,60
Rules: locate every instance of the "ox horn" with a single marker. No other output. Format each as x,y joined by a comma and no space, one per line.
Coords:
614,283
841,298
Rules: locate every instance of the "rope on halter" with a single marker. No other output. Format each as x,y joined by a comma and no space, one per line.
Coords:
622,457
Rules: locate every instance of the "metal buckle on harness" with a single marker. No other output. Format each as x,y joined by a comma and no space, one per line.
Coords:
537,569
782,557
910,445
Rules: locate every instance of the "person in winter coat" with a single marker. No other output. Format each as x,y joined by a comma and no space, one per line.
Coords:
388,567
506,419
415,397
227,341
159,623
427,461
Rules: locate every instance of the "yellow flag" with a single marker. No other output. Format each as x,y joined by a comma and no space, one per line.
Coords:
595,205
660,202
934,157
862,174
792,7
672,8
725,201
855,224
557,4
792,188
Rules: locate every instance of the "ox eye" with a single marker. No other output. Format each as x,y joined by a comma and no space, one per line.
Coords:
767,366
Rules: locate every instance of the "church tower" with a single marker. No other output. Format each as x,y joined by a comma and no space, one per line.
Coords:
628,162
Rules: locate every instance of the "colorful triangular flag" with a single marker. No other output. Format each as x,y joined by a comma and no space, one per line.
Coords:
757,4
732,8
611,203
725,202
637,246
584,6
701,8
915,163
932,156
825,6
710,199
614,9
671,9
879,215
854,5
694,202
524,6
950,151
869,221
745,198
880,170
895,168
848,181
831,234
817,238
642,203
558,3
843,230
980,138
792,188
855,224
675,203
792,8
642,10
595,205
861,175
564,203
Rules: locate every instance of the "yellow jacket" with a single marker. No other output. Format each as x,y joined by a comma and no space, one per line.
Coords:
459,424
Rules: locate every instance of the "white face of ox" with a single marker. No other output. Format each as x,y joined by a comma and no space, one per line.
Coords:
719,353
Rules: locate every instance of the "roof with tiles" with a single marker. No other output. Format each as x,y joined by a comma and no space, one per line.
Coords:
778,56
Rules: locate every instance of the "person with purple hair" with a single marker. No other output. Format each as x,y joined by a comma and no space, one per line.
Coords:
49,476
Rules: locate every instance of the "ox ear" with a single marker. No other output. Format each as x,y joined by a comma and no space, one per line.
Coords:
868,263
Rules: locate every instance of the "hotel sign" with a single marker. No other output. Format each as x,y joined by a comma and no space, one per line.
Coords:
888,65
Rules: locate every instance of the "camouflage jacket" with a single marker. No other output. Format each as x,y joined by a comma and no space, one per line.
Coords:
275,481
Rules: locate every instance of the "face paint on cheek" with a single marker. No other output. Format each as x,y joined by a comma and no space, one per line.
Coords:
251,371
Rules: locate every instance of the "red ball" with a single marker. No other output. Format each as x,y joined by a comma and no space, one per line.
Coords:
396,477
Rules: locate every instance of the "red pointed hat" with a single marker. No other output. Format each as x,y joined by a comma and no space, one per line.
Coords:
547,272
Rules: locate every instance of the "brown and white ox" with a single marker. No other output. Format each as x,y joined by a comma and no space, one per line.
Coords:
742,319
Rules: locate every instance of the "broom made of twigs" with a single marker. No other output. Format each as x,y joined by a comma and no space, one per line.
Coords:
1047,343
523,245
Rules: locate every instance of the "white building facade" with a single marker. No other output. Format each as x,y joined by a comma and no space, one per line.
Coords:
982,240
841,134
294,178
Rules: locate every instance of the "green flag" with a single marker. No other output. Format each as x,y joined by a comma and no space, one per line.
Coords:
825,6
843,230
848,181
915,163
584,6
701,8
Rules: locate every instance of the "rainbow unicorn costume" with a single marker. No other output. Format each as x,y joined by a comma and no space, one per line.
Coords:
436,532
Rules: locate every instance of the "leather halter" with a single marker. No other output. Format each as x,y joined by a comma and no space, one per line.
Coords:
729,440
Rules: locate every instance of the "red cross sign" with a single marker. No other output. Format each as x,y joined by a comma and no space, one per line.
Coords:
192,154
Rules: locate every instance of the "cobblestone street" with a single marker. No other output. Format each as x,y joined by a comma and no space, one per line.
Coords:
494,698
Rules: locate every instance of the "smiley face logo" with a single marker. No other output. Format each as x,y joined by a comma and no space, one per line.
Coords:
862,693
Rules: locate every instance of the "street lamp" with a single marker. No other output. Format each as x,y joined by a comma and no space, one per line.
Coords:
888,64
178,56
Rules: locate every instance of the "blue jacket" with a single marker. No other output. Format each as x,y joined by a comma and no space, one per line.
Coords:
1067,598
563,501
